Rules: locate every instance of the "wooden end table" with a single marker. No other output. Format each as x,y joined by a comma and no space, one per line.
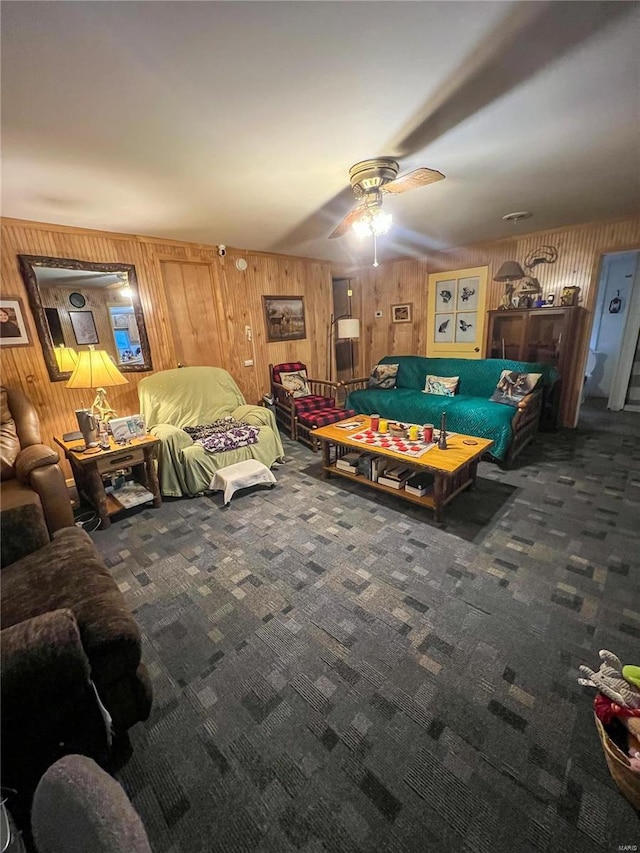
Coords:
454,469
88,468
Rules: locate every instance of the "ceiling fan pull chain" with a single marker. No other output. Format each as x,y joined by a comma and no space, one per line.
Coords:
375,250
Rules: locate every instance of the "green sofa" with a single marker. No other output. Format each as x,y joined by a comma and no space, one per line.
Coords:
470,411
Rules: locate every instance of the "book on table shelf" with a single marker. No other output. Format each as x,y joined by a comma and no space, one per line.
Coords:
395,477
377,467
398,472
365,464
348,462
132,494
420,484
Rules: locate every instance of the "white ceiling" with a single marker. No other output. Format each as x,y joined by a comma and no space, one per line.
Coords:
237,122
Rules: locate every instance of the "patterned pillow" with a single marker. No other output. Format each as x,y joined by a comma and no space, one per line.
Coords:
384,376
512,387
296,383
445,386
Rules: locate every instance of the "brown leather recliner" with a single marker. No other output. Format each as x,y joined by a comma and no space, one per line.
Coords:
33,495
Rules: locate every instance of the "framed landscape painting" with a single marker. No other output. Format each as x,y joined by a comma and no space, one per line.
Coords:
284,318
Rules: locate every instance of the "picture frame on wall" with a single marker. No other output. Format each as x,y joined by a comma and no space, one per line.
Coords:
284,318
444,328
13,327
402,313
445,296
84,327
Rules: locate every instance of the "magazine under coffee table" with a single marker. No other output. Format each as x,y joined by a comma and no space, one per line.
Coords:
453,469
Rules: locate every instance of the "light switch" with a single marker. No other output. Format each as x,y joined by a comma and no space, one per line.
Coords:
248,362
378,314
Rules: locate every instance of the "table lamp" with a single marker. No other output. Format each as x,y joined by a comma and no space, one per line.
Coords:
509,272
66,358
95,369
348,328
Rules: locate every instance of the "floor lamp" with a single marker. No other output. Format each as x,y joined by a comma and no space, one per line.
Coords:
348,329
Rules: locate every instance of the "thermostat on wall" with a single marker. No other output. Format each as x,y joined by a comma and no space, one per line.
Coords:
241,264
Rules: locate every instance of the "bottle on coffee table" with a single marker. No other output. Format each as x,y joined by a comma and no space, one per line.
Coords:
442,440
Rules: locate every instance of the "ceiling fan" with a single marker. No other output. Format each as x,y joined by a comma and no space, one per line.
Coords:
370,179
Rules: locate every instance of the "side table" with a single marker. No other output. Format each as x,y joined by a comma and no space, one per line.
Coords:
88,468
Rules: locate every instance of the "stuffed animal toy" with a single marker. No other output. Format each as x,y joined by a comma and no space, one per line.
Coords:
608,680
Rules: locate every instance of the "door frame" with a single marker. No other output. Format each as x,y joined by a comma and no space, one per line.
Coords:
594,289
448,350
622,374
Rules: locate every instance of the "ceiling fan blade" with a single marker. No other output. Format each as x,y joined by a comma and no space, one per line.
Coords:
346,222
412,180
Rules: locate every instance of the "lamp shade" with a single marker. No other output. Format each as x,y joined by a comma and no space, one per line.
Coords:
66,358
349,328
509,271
95,370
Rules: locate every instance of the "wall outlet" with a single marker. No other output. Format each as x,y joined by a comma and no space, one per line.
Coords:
247,332
378,314
248,362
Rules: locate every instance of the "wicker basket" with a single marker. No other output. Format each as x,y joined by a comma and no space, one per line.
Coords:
627,781
397,430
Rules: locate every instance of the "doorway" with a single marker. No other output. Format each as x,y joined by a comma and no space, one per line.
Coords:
612,373
341,353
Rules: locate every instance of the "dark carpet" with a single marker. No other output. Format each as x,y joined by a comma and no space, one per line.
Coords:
335,672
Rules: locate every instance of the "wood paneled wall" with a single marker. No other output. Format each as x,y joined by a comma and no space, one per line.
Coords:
238,303
580,249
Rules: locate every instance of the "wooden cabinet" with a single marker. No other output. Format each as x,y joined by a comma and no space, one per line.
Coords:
548,335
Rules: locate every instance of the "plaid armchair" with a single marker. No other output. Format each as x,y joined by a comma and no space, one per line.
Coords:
302,409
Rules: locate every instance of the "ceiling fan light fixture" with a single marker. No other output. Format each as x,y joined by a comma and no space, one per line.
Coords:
373,223
517,216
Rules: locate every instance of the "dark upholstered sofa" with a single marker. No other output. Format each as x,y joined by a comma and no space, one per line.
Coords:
470,411
66,634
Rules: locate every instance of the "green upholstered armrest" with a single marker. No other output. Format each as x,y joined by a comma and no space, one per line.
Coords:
255,416
176,437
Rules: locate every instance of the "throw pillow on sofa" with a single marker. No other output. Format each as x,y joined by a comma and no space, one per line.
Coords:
513,387
445,386
383,376
296,383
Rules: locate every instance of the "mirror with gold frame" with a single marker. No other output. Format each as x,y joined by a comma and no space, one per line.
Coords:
77,303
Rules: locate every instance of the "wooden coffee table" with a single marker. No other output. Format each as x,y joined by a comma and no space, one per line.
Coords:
454,469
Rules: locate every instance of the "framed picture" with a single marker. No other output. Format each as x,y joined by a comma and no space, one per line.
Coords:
120,321
444,328
284,318
402,313
445,296
466,322
84,327
468,294
13,329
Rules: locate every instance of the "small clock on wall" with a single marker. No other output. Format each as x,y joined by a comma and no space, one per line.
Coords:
77,300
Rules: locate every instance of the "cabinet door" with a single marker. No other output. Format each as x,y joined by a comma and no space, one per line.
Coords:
506,335
545,336
456,315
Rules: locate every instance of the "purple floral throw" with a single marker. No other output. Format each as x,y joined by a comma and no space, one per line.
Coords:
225,434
